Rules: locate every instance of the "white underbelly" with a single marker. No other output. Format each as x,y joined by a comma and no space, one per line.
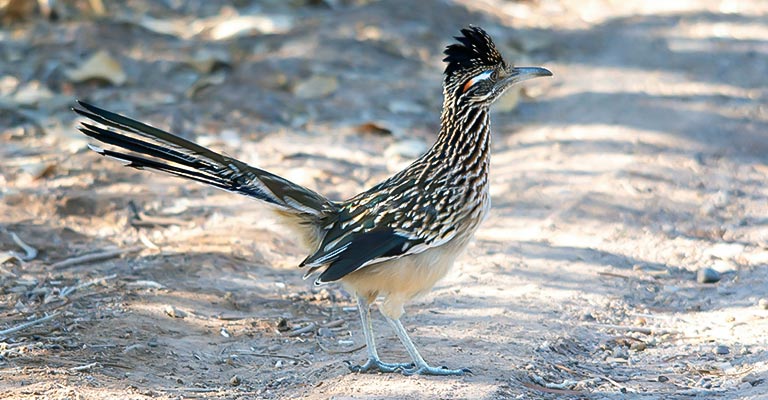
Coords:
402,279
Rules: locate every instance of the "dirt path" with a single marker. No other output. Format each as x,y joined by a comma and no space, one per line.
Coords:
641,162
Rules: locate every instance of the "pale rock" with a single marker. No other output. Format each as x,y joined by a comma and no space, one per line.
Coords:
316,86
101,66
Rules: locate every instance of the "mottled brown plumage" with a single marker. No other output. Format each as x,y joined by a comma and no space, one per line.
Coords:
396,239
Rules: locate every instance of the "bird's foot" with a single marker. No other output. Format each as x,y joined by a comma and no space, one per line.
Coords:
374,364
429,370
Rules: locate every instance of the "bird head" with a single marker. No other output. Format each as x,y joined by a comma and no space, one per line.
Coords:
476,74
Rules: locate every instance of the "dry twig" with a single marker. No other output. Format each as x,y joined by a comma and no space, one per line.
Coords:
614,275
86,367
333,324
308,328
333,351
102,255
69,290
639,329
30,252
269,355
544,389
26,325
192,390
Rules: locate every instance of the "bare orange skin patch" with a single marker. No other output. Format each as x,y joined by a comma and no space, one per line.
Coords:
467,85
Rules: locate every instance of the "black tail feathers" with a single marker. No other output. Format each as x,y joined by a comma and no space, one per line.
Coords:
177,156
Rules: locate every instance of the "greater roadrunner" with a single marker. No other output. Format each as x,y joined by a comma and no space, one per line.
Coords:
396,239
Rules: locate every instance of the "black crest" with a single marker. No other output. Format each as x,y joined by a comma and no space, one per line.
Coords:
475,49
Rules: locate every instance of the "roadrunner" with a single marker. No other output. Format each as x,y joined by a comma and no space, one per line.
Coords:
396,239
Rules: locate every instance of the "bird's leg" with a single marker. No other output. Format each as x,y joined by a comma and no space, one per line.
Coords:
374,362
420,366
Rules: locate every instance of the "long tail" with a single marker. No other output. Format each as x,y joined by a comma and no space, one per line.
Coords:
180,157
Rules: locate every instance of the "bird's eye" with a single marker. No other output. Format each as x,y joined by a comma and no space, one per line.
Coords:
478,78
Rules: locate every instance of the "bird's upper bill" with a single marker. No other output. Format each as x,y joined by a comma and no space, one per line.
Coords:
519,74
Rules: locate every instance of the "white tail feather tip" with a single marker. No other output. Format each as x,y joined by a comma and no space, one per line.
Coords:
96,148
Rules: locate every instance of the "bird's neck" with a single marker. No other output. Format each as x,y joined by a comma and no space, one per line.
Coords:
465,134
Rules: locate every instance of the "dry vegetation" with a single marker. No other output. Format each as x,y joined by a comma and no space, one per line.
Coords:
639,166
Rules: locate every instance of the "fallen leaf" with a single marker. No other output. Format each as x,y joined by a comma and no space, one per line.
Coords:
172,27
373,128
97,7
44,171
31,94
100,66
232,27
15,10
8,84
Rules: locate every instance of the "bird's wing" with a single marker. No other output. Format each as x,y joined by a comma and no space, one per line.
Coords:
356,251
364,237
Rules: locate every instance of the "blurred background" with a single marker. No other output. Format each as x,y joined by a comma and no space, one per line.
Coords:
626,251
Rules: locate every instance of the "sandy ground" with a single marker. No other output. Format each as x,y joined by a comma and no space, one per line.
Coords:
641,162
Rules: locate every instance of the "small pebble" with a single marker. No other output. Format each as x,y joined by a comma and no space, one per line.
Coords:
763,303
663,378
721,349
752,379
325,332
174,312
323,295
235,381
283,325
620,352
133,348
588,317
744,386
705,383
638,346
707,275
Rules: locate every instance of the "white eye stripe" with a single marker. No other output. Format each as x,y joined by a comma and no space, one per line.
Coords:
480,77
483,76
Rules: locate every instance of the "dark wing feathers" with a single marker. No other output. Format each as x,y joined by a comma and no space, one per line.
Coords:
358,251
363,234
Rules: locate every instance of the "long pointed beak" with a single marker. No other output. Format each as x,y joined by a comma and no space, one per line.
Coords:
519,74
